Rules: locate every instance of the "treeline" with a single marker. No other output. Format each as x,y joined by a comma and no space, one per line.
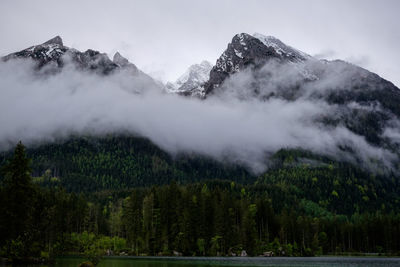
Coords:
89,164
296,209
224,218
44,222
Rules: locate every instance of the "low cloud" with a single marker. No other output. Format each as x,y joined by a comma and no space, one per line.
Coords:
38,108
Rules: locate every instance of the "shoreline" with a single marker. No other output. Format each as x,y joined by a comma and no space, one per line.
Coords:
237,258
214,259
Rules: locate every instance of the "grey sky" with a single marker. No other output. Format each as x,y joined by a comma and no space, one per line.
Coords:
164,37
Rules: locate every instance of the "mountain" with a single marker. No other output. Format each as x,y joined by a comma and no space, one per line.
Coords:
258,52
123,62
244,51
258,67
52,56
362,107
191,83
120,162
199,198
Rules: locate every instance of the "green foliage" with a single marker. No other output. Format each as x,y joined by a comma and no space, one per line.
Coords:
201,246
336,186
290,210
224,220
93,254
88,164
17,196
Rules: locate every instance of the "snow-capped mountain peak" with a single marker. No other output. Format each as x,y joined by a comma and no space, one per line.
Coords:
55,56
191,82
251,50
49,51
196,72
54,41
280,47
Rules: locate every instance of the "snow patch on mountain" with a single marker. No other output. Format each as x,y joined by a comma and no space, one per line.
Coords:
280,47
191,82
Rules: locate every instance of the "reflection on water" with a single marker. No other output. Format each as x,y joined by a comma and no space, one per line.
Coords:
203,262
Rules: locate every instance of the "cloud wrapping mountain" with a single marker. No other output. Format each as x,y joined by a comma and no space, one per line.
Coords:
245,119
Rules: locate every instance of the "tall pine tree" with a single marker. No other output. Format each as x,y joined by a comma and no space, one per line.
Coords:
18,194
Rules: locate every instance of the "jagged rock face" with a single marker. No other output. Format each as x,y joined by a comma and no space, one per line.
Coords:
245,51
124,63
50,51
367,104
130,69
266,57
191,83
281,48
262,67
56,40
93,60
120,60
52,57
54,54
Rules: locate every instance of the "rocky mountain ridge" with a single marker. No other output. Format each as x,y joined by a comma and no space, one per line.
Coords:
261,68
52,55
191,83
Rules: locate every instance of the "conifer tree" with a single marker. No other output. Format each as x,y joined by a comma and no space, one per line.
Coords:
18,193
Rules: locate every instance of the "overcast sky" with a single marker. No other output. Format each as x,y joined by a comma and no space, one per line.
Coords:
164,37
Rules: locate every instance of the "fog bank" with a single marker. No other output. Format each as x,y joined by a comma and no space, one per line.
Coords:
36,108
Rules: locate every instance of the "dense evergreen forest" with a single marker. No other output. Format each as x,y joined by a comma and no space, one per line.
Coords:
101,163
141,201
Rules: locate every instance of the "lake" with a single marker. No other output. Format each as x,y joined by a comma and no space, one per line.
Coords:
249,262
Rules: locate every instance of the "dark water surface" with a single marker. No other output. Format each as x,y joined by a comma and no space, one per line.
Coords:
217,261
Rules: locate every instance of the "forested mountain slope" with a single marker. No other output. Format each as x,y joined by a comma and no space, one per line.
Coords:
93,164
121,162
